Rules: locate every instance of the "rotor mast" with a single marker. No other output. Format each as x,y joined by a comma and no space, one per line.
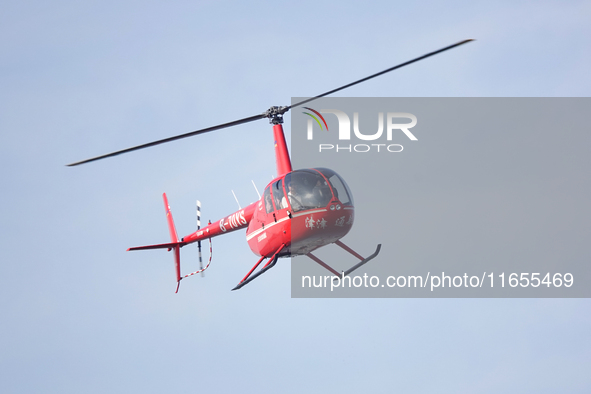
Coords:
283,162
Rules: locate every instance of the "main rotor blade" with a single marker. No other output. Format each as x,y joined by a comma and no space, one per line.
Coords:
382,72
272,112
178,137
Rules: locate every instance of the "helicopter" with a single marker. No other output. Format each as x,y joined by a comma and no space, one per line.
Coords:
299,212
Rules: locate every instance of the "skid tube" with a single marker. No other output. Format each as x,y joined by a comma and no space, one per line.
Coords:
351,251
270,264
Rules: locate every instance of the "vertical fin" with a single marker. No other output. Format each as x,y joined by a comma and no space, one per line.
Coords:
173,239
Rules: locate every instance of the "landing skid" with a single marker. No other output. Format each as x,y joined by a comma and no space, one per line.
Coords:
273,260
351,251
270,264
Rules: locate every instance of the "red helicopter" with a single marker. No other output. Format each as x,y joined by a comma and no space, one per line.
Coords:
299,211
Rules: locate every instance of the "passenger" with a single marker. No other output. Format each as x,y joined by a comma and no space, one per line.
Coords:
268,203
321,192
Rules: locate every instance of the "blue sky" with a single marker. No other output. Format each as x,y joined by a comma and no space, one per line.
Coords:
81,79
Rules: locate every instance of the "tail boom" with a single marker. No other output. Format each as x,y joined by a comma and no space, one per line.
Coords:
233,222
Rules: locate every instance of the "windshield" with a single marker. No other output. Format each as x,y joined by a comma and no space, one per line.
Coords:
340,188
307,189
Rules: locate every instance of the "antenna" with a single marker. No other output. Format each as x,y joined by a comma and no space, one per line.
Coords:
239,207
255,188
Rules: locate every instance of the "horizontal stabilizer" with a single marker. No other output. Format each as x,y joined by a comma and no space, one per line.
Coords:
158,246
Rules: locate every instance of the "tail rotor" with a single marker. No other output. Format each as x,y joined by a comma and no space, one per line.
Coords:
199,242
175,244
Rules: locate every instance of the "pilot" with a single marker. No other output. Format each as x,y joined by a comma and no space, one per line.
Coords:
283,202
293,195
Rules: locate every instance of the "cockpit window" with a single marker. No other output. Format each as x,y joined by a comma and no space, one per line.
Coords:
341,190
307,189
268,200
279,195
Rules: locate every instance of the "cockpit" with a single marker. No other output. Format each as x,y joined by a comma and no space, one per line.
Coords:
307,189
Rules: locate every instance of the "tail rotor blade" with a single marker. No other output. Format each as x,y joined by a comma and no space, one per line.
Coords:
199,242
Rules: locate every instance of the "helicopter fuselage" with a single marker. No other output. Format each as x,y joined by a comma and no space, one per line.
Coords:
302,210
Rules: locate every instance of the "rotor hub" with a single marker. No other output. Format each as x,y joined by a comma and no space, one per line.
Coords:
275,114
